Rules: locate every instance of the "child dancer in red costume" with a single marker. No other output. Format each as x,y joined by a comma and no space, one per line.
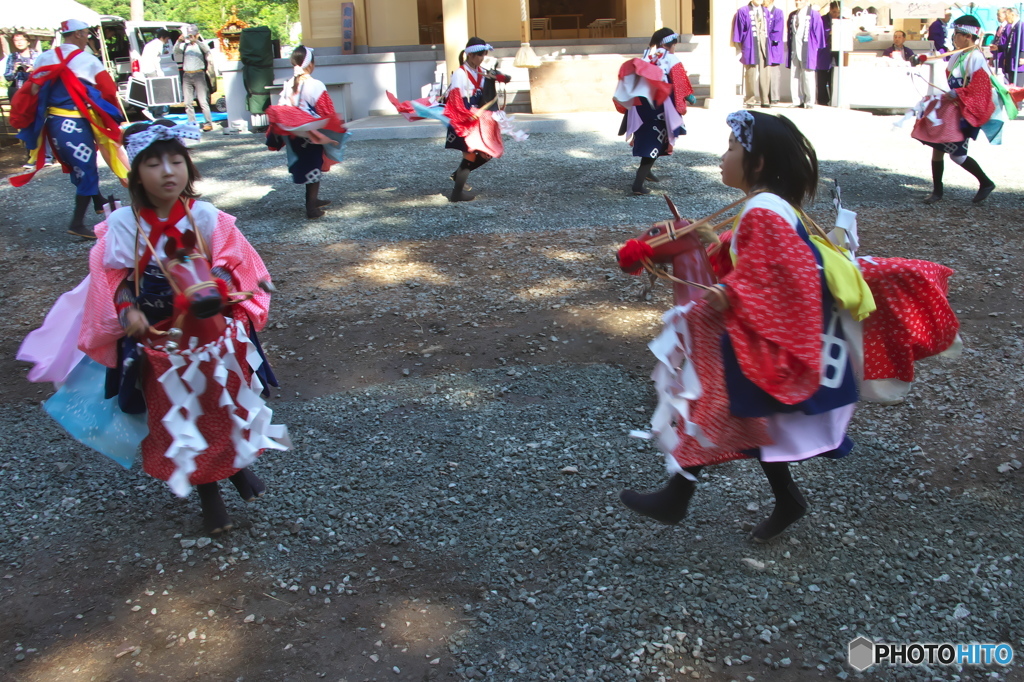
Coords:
778,402
205,415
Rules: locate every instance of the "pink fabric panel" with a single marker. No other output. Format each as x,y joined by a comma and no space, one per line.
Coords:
53,348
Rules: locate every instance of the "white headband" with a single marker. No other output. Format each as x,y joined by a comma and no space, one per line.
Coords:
136,142
478,48
966,28
742,125
306,61
669,39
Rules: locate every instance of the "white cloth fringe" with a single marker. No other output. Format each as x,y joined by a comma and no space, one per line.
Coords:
184,383
675,380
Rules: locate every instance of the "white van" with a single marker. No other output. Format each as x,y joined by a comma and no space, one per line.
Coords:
122,49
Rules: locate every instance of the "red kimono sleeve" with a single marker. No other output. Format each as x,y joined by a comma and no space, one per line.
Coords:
681,87
975,99
775,317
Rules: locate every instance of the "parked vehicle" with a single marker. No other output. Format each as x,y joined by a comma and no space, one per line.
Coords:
121,52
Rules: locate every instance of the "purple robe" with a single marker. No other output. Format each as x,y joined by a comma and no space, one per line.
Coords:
1013,38
825,51
776,30
815,40
937,34
743,34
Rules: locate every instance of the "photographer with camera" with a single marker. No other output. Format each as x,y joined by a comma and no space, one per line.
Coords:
191,53
19,63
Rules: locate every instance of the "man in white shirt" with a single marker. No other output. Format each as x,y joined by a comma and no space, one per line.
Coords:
151,66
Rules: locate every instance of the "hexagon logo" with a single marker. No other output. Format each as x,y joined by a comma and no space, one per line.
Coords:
861,653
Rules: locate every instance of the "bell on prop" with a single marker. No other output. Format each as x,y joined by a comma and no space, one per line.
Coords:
171,346
174,333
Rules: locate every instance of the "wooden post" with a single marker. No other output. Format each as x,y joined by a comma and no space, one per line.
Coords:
456,31
137,11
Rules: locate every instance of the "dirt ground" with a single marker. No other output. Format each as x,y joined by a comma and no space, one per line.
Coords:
356,314
353,315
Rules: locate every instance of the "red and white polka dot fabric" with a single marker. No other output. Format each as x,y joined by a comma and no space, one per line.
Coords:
913,320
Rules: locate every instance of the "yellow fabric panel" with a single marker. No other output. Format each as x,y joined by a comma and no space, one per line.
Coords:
844,280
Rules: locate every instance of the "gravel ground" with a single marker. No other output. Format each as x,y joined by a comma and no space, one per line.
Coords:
458,518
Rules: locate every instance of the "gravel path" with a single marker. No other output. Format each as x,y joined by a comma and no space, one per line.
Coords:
464,524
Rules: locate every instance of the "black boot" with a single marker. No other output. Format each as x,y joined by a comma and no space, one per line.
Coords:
936,195
248,485
313,204
985,186
651,177
642,172
667,505
77,226
97,203
215,514
461,176
790,504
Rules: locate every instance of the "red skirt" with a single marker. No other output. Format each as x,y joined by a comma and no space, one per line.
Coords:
215,424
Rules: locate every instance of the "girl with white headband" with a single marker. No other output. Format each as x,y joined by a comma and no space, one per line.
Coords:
127,292
758,339
971,87
305,123
477,88
653,115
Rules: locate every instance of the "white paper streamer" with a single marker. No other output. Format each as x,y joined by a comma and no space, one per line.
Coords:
184,382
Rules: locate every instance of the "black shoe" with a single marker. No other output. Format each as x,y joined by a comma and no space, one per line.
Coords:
667,505
81,231
643,191
249,486
651,177
313,211
934,198
983,193
461,195
322,202
790,507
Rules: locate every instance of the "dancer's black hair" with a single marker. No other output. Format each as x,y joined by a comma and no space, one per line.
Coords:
788,163
660,35
298,56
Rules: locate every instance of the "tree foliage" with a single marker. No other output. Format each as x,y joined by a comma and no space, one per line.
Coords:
210,15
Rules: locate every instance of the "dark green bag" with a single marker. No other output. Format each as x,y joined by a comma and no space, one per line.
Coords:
256,50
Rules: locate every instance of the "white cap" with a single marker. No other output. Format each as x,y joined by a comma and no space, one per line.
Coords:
72,25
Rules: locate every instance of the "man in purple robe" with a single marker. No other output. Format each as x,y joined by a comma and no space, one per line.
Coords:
827,56
806,38
1013,54
939,33
750,32
776,50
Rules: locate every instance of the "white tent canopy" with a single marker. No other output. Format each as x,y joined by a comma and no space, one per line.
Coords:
44,15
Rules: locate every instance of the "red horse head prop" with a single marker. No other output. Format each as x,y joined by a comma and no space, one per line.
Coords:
673,241
189,272
199,298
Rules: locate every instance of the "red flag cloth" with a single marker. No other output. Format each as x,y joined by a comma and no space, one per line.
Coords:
913,319
481,132
652,76
406,109
774,319
710,411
